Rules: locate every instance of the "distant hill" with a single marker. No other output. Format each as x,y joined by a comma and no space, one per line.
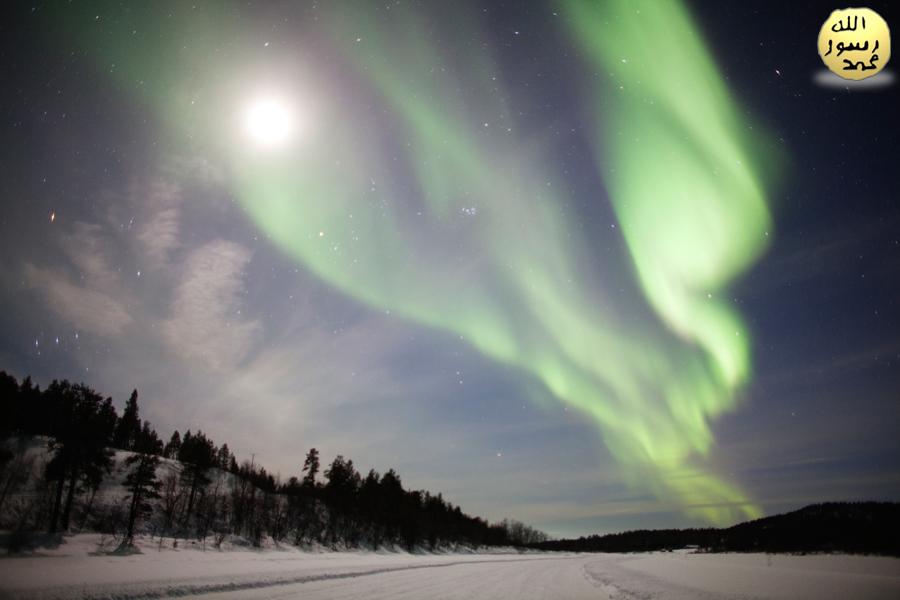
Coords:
856,527
851,527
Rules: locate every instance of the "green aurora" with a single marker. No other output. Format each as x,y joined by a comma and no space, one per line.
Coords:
414,191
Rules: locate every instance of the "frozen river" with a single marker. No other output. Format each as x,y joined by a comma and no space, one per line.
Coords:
73,572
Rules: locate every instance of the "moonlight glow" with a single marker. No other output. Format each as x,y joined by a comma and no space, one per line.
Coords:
270,122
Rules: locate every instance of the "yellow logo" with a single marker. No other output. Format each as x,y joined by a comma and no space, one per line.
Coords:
855,43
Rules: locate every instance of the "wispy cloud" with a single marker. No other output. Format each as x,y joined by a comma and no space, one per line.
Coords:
158,229
85,308
89,251
159,236
83,289
194,168
206,322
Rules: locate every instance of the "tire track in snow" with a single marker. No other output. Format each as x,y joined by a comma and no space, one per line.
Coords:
151,590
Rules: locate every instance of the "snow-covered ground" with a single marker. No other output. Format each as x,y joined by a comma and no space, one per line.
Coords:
76,570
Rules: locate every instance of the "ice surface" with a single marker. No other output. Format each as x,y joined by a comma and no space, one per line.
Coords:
76,570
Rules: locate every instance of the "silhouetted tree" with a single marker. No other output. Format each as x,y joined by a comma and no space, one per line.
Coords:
198,455
129,425
340,495
173,447
370,506
36,415
141,481
172,499
9,405
343,481
148,440
311,468
82,428
15,470
391,502
223,458
242,496
14,466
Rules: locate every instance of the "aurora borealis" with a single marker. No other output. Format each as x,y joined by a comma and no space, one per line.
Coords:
513,287
569,203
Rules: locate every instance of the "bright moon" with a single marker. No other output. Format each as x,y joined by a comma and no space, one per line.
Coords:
269,122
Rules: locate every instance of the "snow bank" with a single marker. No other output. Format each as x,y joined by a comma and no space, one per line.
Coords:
90,566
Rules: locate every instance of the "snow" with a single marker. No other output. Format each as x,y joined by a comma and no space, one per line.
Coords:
83,568
36,454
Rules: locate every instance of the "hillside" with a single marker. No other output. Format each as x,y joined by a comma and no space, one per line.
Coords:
70,463
849,527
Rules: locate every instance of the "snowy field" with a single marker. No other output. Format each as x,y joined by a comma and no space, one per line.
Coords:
77,570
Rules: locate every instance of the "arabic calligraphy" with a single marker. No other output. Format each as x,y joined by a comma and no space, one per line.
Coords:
855,43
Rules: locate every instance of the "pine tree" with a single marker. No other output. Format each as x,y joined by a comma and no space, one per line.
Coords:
369,506
148,440
37,414
82,427
223,457
311,467
129,426
141,481
106,421
9,403
391,502
198,454
340,493
173,447
186,440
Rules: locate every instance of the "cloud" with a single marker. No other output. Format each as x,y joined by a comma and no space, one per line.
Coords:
819,252
87,309
88,250
308,386
206,322
833,367
89,295
158,232
160,235
194,168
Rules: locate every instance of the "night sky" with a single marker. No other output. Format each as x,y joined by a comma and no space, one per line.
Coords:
591,266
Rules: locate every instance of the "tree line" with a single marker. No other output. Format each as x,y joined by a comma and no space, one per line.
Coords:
847,527
190,487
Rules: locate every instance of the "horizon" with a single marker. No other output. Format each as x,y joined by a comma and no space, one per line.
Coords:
251,467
